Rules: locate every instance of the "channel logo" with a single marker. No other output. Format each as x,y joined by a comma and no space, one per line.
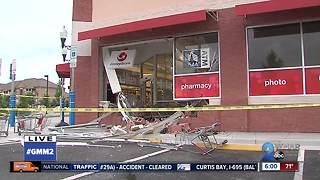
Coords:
183,167
270,153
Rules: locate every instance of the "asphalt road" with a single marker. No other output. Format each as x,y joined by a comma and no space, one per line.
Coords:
312,165
130,151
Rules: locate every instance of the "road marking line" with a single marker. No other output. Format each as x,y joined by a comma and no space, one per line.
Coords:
126,161
298,175
146,156
8,143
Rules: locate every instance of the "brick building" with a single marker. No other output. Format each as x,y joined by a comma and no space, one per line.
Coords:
226,52
37,87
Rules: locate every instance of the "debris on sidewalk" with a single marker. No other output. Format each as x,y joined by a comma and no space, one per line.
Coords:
202,134
117,130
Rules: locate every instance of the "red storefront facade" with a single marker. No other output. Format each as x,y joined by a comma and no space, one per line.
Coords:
241,79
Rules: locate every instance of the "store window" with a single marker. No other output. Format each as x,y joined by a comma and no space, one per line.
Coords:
283,59
196,72
274,47
197,53
311,43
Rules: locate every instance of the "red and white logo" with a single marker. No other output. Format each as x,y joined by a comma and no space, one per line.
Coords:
121,59
122,56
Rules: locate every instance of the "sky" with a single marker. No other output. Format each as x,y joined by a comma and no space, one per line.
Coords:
29,33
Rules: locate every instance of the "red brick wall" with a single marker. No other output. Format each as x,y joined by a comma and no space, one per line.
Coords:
82,10
285,120
87,83
83,92
233,67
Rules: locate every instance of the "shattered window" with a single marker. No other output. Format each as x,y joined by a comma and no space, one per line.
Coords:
196,54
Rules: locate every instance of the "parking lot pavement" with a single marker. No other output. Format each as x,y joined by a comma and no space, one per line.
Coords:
311,168
14,152
190,156
131,150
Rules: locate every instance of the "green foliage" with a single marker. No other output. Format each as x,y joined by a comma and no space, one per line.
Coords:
26,102
58,90
45,102
4,100
54,103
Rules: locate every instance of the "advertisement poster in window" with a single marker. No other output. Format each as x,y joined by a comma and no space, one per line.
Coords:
197,86
313,80
276,82
197,58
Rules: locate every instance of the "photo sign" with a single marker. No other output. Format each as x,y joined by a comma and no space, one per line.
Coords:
276,82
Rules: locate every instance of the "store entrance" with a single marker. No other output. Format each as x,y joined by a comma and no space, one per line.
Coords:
156,80
149,82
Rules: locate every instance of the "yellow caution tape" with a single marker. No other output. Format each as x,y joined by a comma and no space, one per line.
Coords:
38,97
173,109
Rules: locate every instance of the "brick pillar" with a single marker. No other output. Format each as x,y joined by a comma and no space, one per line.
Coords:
233,69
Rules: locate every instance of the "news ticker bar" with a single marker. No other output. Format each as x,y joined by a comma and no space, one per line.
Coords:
37,166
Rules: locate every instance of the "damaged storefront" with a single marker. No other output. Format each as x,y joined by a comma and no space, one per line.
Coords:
151,75
208,53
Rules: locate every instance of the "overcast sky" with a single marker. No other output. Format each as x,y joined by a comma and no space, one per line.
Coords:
29,33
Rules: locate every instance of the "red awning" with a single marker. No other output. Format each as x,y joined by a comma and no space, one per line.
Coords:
184,18
273,6
63,70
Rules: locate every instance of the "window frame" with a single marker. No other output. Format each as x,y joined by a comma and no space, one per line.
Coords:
212,100
282,99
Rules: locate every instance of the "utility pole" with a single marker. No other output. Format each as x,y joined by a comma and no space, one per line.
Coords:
12,100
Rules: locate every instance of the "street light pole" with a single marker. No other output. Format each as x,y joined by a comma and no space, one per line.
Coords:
47,76
63,37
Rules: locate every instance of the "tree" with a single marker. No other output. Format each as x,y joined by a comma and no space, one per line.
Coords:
4,101
273,61
54,103
26,102
58,90
45,102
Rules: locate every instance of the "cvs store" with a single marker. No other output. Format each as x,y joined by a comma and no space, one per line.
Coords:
207,53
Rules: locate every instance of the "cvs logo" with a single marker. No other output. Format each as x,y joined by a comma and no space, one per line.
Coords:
122,56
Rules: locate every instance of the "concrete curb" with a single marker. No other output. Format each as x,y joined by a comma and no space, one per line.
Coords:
247,141
239,147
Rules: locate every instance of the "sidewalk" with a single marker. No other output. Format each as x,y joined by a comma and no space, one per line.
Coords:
252,139
236,140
